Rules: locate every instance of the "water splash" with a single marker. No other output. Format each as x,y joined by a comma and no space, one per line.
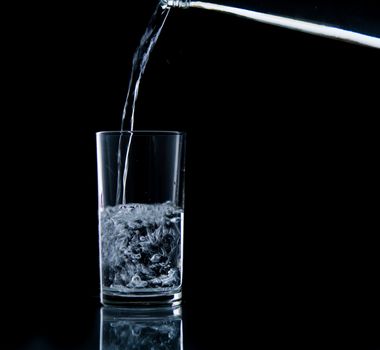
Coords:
141,247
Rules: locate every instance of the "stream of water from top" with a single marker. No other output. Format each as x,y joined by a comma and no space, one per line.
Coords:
152,34
139,63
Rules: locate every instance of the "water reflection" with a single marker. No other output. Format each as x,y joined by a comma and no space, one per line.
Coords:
138,329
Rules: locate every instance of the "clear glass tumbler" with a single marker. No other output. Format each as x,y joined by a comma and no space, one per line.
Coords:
141,216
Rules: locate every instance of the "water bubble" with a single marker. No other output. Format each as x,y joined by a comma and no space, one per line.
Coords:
141,248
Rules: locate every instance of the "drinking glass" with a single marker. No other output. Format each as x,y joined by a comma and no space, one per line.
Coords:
141,216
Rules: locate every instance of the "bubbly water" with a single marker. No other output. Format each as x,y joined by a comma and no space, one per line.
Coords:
141,247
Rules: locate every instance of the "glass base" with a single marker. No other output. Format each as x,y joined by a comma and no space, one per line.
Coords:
141,299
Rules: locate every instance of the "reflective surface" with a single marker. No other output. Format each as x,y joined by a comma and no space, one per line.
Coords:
141,328
202,325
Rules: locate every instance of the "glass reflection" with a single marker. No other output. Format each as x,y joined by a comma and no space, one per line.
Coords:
138,329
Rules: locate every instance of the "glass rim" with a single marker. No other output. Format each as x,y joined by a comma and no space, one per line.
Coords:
142,132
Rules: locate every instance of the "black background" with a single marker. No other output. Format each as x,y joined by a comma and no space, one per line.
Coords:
282,234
